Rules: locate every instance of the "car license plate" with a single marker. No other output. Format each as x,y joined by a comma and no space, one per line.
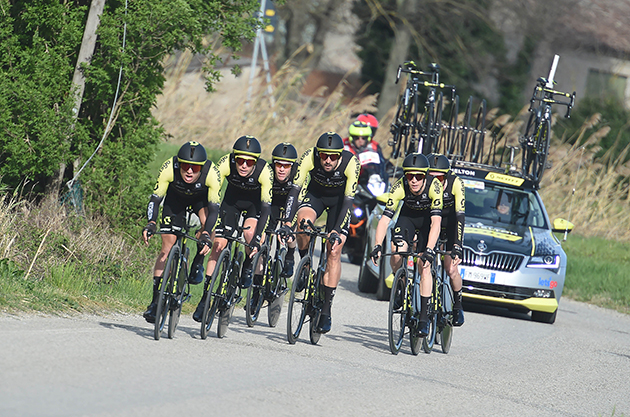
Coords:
478,276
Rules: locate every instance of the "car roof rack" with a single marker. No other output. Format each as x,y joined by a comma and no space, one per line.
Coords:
492,173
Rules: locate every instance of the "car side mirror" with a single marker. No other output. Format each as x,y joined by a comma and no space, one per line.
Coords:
562,226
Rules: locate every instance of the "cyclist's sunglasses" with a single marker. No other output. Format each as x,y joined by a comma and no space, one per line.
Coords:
186,166
360,137
333,156
417,175
241,161
439,175
285,165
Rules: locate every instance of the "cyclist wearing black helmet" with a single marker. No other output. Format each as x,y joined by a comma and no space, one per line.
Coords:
453,219
249,181
420,215
284,163
333,174
187,179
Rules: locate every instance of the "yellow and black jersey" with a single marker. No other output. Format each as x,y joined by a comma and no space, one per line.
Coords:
453,213
280,190
341,181
170,183
170,180
256,187
426,203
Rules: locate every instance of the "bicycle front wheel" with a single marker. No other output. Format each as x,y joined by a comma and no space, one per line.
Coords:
255,293
178,296
277,290
397,315
298,300
213,291
446,337
165,291
541,150
316,313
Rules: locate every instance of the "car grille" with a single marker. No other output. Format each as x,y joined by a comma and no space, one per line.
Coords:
495,290
496,261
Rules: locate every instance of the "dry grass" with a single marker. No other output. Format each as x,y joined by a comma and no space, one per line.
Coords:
576,187
217,119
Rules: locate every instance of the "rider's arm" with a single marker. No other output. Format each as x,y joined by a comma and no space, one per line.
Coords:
435,194
459,192
352,177
165,177
266,183
213,182
306,164
396,194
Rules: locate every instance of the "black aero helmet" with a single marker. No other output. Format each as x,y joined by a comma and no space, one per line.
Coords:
247,146
438,163
329,142
284,152
192,153
416,162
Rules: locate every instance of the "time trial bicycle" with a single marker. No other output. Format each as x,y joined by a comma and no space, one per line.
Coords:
307,295
273,286
535,141
174,289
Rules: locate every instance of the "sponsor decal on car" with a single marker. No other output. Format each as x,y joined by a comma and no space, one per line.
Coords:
547,283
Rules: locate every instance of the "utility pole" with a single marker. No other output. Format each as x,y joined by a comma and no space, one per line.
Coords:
260,43
78,80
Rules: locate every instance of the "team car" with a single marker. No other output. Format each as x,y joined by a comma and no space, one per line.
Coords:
511,257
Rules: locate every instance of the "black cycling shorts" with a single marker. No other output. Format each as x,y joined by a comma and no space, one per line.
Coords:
230,213
332,205
174,210
448,233
410,228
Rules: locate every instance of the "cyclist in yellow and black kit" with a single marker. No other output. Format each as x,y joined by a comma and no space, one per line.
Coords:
419,197
453,220
187,179
284,164
249,181
333,173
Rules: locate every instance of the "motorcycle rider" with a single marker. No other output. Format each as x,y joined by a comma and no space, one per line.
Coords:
369,152
369,120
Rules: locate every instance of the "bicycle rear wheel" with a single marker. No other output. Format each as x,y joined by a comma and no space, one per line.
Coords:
436,128
213,291
298,300
446,337
178,296
165,291
527,144
429,340
464,132
255,293
397,314
277,289
478,134
450,135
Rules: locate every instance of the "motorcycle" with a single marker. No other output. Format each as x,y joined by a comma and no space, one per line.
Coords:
371,185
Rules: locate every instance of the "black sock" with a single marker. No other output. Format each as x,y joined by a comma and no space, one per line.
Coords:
303,252
247,263
424,307
329,294
457,302
290,253
258,278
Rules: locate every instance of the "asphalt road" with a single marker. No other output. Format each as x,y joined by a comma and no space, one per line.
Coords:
500,364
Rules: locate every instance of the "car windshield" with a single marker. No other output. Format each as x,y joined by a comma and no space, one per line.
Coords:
503,205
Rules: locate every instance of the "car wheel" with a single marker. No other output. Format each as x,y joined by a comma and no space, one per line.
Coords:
543,317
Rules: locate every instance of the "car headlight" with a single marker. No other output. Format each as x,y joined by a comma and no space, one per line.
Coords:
546,262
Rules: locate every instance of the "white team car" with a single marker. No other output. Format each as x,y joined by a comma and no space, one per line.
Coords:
511,257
